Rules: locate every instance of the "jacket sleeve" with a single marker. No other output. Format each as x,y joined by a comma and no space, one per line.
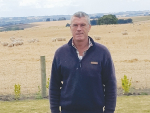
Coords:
110,85
54,88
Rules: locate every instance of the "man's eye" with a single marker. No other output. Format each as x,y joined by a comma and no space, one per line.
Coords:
75,25
82,25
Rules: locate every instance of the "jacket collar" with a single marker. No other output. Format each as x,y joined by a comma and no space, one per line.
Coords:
92,41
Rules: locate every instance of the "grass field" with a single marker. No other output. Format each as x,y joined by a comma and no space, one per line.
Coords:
137,19
125,104
21,64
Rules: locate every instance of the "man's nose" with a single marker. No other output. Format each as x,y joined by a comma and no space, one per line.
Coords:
79,27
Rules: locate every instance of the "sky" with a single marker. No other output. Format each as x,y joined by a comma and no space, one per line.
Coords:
25,8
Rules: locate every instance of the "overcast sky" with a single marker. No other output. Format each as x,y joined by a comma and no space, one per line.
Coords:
21,8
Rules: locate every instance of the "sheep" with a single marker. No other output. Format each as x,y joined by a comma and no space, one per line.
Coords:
12,39
53,39
4,43
16,43
20,42
36,40
97,37
19,39
124,33
33,40
59,39
63,39
10,45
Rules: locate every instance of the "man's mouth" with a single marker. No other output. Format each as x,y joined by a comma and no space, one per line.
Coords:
79,33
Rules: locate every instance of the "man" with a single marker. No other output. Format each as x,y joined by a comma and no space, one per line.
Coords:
82,76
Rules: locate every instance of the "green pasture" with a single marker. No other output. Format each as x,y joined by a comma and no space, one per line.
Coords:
125,104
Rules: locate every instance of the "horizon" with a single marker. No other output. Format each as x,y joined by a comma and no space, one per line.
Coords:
72,14
29,8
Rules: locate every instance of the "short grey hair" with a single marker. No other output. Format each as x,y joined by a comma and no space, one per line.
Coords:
80,14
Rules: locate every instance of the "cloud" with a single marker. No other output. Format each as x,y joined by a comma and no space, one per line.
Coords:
55,7
29,3
1,3
45,3
3,6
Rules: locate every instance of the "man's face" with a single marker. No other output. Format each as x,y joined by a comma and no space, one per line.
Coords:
79,28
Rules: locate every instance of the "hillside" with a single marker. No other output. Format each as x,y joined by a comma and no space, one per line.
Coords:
21,64
137,18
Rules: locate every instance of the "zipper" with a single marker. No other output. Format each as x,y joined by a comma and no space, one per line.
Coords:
83,57
80,63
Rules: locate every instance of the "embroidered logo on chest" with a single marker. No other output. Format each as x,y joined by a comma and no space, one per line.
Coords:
94,62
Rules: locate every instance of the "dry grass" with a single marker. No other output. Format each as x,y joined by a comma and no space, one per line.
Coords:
137,18
51,23
21,64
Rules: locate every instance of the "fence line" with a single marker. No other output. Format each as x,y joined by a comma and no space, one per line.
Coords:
28,74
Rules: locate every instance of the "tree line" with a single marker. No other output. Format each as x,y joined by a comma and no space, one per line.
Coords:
110,19
107,19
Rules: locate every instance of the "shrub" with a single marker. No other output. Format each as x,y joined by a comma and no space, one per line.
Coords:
47,85
17,91
126,84
61,18
124,21
38,94
48,19
93,22
144,93
67,25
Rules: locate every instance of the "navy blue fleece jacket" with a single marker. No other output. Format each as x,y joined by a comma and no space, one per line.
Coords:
88,85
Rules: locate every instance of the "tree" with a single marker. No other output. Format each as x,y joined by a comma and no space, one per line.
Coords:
54,19
61,18
93,22
124,21
107,19
48,19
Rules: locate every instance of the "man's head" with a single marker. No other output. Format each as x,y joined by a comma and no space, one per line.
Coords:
81,14
80,26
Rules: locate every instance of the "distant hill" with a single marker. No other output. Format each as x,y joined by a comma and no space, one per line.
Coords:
8,21
35,24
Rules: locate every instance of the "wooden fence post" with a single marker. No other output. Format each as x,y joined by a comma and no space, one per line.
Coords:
43,77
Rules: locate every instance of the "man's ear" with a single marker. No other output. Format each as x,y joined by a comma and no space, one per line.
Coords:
89,27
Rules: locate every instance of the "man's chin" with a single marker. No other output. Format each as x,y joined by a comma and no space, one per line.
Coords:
79,39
